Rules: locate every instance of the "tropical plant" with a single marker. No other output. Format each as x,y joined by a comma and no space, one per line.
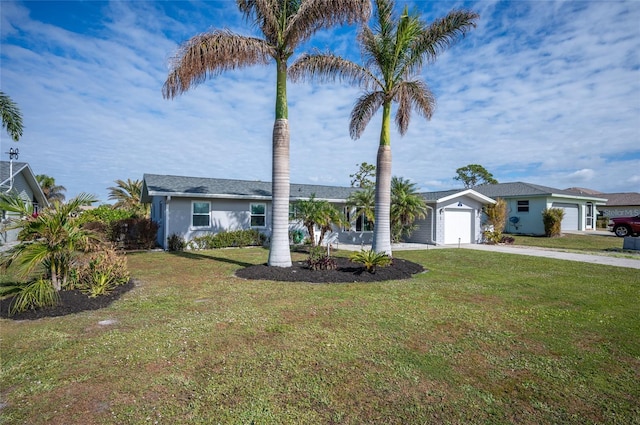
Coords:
49,240
552,219
394,52
11,117
234,238
474,175
407,205
51,190
319,259
128,196
176,242
371,259
496,219
35,294
285,25
99,273
313,212
364,203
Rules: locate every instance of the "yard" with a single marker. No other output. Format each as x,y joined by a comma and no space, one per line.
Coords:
480,338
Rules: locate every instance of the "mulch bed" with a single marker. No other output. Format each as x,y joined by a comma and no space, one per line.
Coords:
76,301
346,272
70,302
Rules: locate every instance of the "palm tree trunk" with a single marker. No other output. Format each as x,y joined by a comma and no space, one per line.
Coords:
279,254
382,228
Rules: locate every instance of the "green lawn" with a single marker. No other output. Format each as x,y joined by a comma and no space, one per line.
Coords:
596,243
481,338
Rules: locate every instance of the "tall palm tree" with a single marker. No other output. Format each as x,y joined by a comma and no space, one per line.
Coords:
11,117
51,190
406,206
285,24
128,196
394,52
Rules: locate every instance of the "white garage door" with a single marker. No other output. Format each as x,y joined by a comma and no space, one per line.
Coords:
457,225
570,219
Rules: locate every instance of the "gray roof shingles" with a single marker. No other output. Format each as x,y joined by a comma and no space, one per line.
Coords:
6,165
185,186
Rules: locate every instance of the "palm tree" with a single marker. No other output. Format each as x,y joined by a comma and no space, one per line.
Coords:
285,24
394,52
364,203
11,117
51,191
128,196
50,239
406,207
313,212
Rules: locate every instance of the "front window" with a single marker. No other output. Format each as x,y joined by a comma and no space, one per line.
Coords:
363,224
258,215
523,206
201,216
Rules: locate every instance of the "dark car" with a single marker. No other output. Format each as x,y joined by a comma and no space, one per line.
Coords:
625,226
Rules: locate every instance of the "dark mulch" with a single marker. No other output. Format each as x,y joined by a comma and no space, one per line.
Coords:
346,272
70,302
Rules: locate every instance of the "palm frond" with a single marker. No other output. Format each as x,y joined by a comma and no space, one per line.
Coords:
11,117
313,15
442,34
266,15
364,109
207,55
413,95
327,67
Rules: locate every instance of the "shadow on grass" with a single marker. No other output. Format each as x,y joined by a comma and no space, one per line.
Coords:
196,256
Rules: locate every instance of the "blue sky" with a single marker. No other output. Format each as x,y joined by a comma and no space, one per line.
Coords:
546,92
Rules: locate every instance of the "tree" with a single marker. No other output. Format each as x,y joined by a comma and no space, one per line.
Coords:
407,205
285,25
313,212
364,203
394,52
11,117
362,178
474,175
49,240
51,190
129,197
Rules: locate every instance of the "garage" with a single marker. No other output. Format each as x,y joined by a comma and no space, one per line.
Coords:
571,215
458,226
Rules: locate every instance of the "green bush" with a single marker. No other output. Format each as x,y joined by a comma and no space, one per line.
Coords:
37,294
104,214
319,260
236,238
98,273
552,219
176,242
371,259
133,233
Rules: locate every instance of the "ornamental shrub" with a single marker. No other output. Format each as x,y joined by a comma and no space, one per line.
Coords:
552,219
235,238
176,242
371,259
320,260
98,273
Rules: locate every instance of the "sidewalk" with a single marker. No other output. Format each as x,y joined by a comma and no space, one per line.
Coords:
517,250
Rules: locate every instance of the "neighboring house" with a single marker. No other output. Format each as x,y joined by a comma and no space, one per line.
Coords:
194,206
526,201
453,217
620,205
17,177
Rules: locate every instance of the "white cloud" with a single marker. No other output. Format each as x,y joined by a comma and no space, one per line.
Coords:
546,92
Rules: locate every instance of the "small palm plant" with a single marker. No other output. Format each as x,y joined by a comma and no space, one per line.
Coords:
371,259
50,240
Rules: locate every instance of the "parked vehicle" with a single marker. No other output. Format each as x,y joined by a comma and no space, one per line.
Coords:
625,226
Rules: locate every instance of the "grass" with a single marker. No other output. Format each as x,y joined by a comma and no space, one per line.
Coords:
595,243
481,338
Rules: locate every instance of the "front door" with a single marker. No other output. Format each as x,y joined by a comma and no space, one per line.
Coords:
589,217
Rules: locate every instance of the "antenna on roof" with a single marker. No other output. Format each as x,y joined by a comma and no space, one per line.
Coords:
13,153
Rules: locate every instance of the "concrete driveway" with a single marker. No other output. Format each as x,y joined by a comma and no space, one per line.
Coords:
632,263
